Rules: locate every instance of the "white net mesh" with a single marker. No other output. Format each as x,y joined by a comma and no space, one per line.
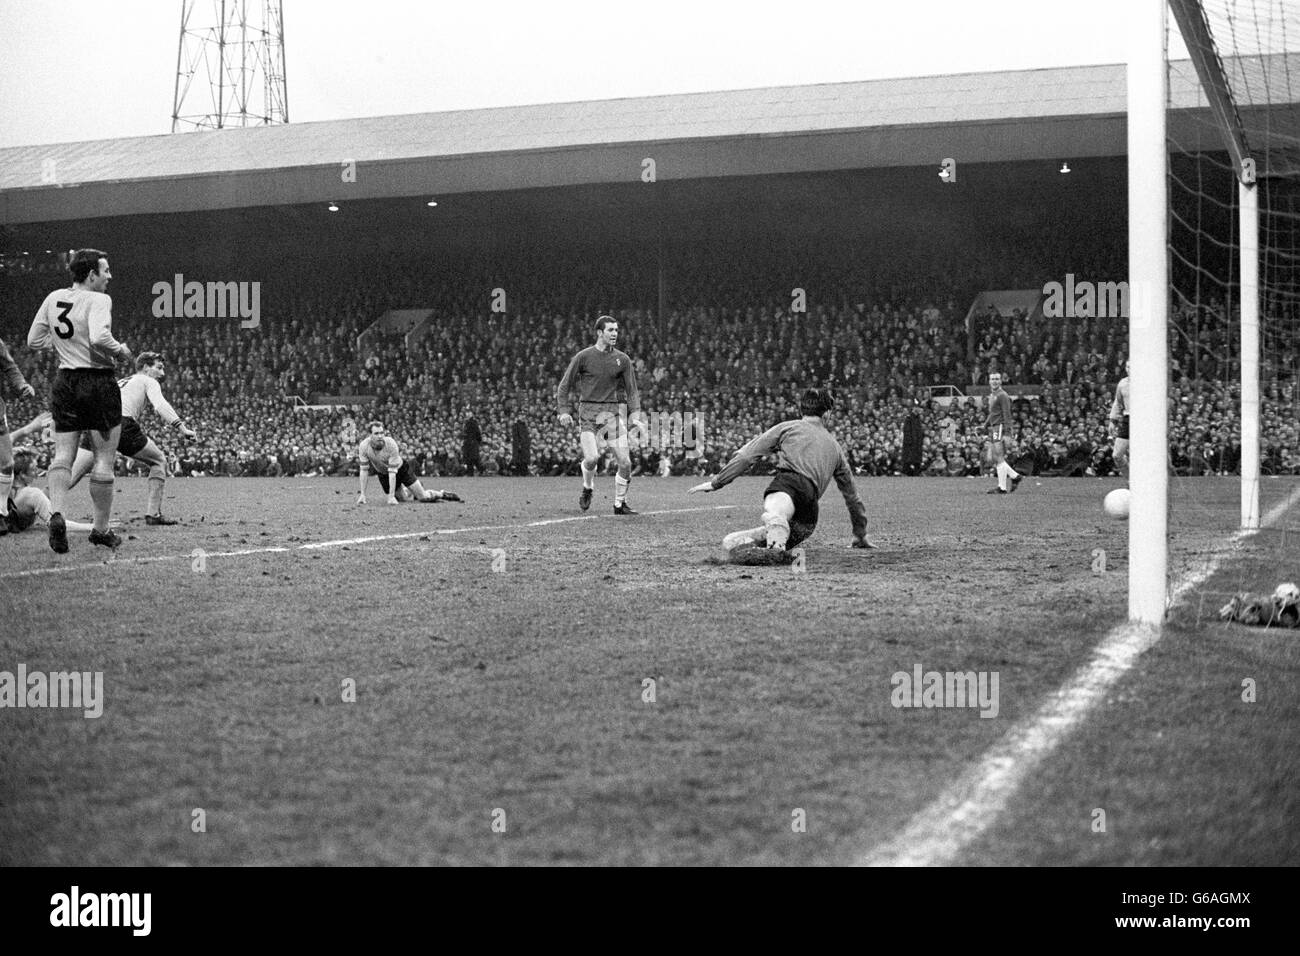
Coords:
1254,47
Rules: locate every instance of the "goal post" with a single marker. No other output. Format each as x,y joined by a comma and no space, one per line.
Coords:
1248,198
1148,269
1194,28
1242,63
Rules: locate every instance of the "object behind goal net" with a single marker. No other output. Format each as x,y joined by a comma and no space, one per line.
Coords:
1232,243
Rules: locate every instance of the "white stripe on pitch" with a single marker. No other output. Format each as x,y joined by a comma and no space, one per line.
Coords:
154,559
493,527
938,834
315,546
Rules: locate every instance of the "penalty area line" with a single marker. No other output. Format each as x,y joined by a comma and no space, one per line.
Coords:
962,813
339,543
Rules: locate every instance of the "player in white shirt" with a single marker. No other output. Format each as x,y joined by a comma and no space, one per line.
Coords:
77,323
26,503
138,391
379,452
1119,411
22,502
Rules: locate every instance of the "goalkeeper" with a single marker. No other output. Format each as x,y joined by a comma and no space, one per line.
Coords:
808,459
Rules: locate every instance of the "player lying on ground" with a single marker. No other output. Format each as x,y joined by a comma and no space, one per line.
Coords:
136,390
607,394
808,460
14,376
381,453
23,502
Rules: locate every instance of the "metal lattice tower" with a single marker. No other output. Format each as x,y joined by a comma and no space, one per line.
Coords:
242,60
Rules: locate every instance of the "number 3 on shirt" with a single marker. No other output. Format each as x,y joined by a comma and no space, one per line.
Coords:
64,331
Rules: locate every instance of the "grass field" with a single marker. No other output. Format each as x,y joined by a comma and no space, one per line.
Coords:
515,696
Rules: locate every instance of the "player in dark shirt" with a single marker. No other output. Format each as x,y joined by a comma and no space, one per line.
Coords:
808,460
999,426
607,396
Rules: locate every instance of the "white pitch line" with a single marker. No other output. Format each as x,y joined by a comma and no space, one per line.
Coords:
491,527
318,545
961,814
153,559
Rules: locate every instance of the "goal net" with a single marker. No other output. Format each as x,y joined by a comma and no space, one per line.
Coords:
1232,130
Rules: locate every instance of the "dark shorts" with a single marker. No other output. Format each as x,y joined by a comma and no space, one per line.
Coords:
86,399
405,477
606,420
804,495
130,443
1121,428
996,432
17,522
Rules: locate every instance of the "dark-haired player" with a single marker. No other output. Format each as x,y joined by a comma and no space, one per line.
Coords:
138,390
77,323
14,376
999,426
808,460
379,452
607,395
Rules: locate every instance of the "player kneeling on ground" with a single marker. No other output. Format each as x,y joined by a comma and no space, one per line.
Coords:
380,453
808,459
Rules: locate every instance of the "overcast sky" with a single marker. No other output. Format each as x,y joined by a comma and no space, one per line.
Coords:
94,69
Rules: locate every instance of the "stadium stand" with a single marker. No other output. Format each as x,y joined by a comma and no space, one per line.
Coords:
883,342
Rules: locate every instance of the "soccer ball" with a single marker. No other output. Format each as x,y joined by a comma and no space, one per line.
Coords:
1286,595
1115,504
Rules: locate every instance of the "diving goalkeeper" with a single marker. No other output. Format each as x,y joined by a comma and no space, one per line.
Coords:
808,459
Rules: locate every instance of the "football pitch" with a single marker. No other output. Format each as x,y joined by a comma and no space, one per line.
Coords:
289,678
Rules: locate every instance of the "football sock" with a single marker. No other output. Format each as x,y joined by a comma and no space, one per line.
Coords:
101,493
620,489
58,476
6,482
777,528
588,475
1002,470
155,496
777,536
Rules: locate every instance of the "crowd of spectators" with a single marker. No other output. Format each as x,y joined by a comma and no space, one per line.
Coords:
732,354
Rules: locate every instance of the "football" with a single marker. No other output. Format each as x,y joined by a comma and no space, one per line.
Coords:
1286,595
1115,504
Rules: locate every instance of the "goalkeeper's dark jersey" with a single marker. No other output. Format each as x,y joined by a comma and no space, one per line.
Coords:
805,447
